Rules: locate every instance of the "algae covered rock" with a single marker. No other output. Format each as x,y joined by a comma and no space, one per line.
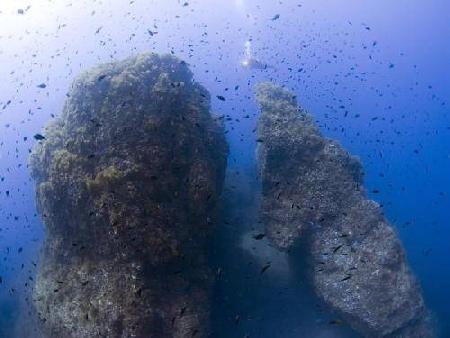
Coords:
127,181
312,194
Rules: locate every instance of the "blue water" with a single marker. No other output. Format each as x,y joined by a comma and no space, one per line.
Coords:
375,74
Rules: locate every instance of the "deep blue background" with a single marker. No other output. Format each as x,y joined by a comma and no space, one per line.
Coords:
374,73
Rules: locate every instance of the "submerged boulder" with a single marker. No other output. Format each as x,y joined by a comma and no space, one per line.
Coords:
127,182
312,194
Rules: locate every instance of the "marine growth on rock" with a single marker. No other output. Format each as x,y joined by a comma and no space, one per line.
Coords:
313,195
127,183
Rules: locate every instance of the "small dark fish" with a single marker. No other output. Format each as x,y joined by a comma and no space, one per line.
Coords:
39,137
275,17
346,278
220,97
96,123
259,236
265,268
42,85
20,11
335,322
337,248
427,252
101,77
259,140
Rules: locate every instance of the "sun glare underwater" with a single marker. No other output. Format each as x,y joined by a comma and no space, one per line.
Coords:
241,168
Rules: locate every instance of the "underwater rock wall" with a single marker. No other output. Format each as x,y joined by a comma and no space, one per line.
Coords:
127,182
312,192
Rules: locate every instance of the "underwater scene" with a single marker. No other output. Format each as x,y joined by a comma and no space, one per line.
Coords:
224,168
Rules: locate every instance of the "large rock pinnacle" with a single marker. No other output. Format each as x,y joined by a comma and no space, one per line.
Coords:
127,181
312,188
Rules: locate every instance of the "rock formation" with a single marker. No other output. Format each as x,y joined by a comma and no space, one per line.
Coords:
313,194
127,182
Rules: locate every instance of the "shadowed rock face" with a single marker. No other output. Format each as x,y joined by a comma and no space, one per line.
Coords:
127,180
312,186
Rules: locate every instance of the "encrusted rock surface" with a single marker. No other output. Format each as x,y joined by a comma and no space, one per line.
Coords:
312,188
127,182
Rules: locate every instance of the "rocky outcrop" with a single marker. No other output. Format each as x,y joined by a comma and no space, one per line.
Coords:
127,182
312,189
